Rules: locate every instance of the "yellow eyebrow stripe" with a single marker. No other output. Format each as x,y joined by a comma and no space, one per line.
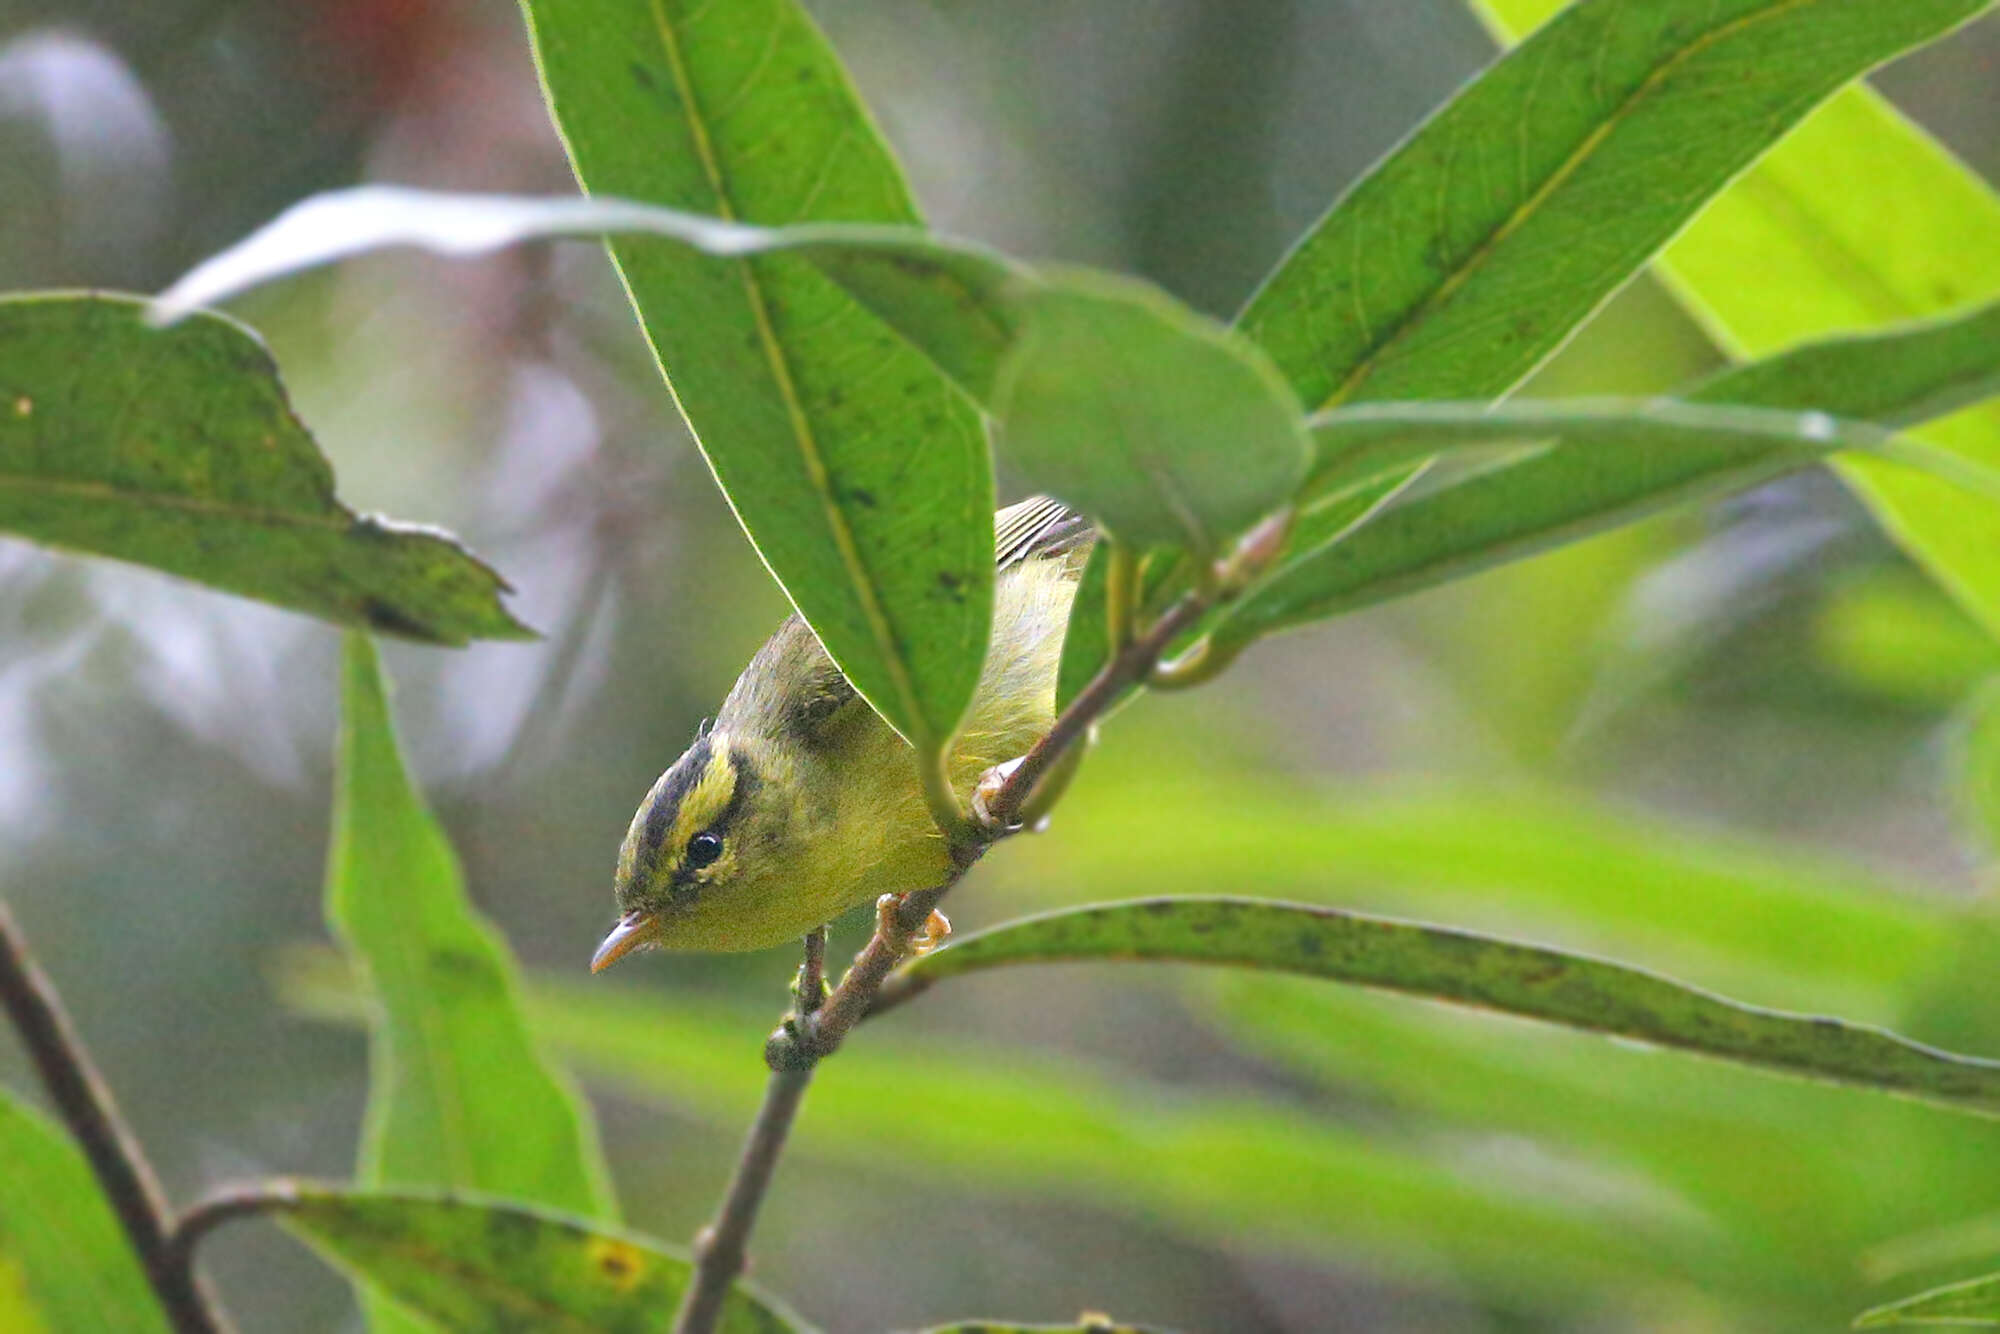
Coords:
705,801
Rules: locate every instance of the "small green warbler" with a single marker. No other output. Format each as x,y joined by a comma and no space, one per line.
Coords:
800,802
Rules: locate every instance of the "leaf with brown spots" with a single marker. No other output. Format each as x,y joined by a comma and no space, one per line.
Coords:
1464,968
485,1266
177,449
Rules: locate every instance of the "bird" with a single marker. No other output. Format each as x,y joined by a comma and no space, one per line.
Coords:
799,802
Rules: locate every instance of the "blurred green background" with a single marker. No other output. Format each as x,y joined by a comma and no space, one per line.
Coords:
1727,744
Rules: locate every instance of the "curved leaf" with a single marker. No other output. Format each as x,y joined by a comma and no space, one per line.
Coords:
1467,969
1166,428
177,449
486,1266
1793,250
64,1261
1581,487
1470,253
1973,1302
860,475
459,1094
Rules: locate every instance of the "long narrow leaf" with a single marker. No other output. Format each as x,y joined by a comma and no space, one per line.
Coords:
64,1261
860,475
1475,248
178,450
1468,969
459,1094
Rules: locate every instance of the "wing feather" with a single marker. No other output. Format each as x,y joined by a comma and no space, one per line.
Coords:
1038,526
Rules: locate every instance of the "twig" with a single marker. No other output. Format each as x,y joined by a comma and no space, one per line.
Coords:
808,1037
85,1105
719,1252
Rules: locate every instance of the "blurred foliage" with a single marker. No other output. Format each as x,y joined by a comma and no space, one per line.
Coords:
1550,750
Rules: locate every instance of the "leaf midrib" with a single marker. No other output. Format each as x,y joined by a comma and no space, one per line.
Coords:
337,518
816,470
1529,207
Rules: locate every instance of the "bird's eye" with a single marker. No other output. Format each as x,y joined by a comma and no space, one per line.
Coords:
703,848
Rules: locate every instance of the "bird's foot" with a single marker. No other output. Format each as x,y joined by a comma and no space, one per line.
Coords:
987,791
932,934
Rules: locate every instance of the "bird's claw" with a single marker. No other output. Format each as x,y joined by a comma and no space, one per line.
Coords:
987,791
932,934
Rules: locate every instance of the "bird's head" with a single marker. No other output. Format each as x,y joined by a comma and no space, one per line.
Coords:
701,848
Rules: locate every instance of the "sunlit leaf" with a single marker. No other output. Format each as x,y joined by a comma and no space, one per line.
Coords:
1441,963
1893,635
178,450
1793,251
477,1265
459,1094
64,1261
1973,1302
1473,250
860,474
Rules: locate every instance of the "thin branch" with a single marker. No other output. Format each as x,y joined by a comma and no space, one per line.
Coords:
719,1252
808,1036
85,1105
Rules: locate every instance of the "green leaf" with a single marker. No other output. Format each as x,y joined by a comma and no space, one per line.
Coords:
1583,486
858,472
177,449
1793,251
459,1094
1472,251
1973,1302
1166,428
486,1266
64,1261
1440,963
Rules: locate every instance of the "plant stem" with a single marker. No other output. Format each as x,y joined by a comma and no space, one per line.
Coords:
719,1251
85,1105
808,1036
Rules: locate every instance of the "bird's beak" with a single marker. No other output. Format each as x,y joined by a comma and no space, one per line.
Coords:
633,930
